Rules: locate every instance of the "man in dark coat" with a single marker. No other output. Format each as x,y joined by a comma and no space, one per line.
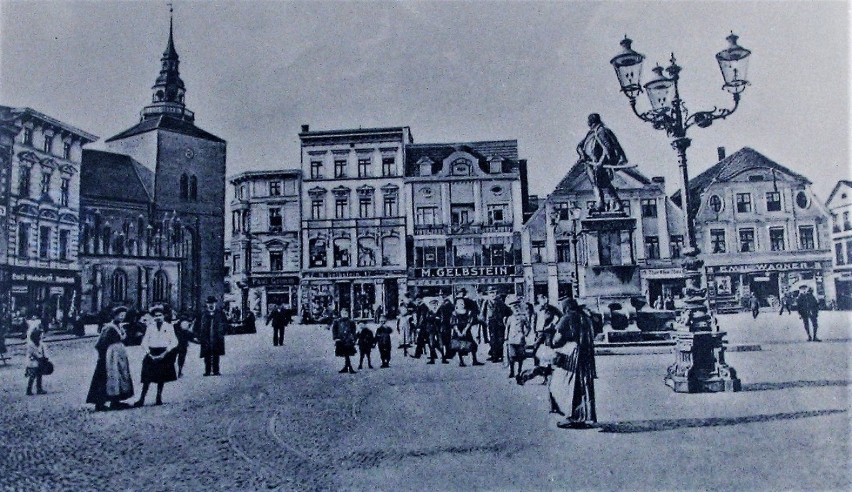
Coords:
446,312
210,333
808,308
279,318
574,395
494,313
343,331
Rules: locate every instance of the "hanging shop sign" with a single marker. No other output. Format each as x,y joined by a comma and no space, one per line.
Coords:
465,272
765,267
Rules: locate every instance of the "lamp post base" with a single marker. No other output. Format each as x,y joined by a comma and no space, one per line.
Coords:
700,364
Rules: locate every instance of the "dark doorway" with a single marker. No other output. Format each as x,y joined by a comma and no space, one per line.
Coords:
391,297
344,297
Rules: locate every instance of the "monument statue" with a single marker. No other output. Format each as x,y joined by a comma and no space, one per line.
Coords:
603,155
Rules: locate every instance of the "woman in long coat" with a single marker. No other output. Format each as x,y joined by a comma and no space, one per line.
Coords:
572,387
111,381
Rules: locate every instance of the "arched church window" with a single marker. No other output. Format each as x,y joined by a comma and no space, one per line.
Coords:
184,186
161,287
118,292
193,188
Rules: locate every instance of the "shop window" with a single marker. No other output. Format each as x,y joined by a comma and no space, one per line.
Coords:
806,237
276,261
615,248
652,247
161,287
537,251
497,213
316,169
717,241
23,240
275,188
340,168
64,244
317,252
776,238
24,182
317,209
838,254
773,201
44,242
747,244
118,292
364,167
276,223
743,203
716,204
563,251
391,251
388,166
364,299
367,249
649,207
676,245
391,207
341,208
64,191
426,216
342,254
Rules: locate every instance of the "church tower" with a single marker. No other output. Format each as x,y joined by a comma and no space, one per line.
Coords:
187,177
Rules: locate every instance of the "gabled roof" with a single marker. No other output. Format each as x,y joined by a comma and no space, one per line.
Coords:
735,164
165,122
579,169
504,149
841,183
112,176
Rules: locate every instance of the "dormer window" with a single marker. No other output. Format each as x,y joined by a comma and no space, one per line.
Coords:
495,165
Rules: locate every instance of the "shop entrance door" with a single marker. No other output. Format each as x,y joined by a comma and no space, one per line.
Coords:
364,298
765,287
344,297
391,297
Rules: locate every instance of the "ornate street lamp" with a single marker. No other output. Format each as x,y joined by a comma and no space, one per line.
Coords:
700,364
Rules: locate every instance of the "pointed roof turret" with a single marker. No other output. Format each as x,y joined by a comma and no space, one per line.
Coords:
168,90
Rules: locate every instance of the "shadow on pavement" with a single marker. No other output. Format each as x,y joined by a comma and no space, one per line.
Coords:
804,340
671,424
794,384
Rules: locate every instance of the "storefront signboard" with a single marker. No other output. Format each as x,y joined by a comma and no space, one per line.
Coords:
354,274
465,272
51,278
272,281
764,267
655,273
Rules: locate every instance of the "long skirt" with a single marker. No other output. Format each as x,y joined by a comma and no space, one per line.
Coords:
159,371
119,384
572,387
97,388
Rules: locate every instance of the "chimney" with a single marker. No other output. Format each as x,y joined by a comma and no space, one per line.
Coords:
307,128
658,179
721,152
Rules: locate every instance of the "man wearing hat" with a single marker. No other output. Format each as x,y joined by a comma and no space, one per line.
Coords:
808,307
210,332
428,329
493,314
517,333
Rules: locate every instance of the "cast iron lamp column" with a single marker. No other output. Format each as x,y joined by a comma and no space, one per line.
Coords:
575,236
700,364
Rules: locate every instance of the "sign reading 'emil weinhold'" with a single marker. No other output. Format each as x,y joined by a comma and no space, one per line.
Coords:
485,271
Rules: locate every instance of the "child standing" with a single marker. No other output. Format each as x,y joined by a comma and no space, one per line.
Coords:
365,345
35,355
383,341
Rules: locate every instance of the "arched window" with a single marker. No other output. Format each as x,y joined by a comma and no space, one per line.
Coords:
193,188
184,186
161,287
119,286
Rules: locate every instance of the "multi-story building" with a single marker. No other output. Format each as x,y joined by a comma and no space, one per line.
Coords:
265,239
353,220
41,213
762,230
839,204
570,253
180,171
467,205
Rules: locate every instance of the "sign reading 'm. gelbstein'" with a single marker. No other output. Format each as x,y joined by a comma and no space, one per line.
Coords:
474,271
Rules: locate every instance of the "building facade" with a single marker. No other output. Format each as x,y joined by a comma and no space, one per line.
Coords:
467,204
181,169
839,204
569,253
762,230
265,249
353,220
41,214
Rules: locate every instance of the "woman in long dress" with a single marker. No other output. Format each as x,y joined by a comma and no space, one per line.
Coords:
572,388
158,366
111,381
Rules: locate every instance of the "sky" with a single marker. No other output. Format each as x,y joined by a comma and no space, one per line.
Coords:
451,71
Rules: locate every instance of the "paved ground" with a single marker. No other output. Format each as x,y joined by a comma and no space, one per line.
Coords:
282,418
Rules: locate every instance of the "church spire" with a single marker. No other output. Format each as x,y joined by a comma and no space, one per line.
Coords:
168,89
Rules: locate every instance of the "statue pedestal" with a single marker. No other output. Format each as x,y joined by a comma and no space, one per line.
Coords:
700,364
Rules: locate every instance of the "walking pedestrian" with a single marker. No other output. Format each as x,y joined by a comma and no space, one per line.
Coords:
158,365
343,333
383,341
445,312
517,332
808,308
786,303
279,318
494,313
428,331
755,306
184,335
111,381
572,388
210,333
462,341
366,341
37,361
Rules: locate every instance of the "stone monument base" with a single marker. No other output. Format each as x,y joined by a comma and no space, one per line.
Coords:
700,364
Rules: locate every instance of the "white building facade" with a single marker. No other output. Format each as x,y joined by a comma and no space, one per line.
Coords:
839,204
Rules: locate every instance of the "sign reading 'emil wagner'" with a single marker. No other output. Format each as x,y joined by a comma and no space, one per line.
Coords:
475,271
764,267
